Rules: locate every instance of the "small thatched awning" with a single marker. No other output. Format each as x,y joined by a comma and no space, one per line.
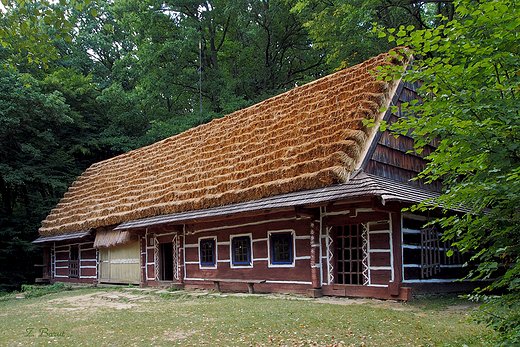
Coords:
110,238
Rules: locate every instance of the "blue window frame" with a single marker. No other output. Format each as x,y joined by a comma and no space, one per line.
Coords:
281,248
207,252
241,250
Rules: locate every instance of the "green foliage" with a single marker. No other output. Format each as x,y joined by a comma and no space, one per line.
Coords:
34,291
126,123
248,51
344,28
32,168
502,314
25,23
469,69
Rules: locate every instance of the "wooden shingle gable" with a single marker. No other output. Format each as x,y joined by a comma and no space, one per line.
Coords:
394,157
309,137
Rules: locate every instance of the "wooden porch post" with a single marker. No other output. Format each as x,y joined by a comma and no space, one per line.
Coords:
315,260
46,262
142,247
394,287
179,249
315,273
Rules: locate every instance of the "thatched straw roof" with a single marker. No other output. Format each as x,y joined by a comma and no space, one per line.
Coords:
309,137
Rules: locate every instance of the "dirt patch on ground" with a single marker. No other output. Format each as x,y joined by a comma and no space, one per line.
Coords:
116,300
464,307
176,335
126,298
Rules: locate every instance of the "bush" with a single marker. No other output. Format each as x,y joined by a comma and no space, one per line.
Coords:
33,291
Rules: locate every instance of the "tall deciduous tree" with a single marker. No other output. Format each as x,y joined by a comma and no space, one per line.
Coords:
470,74
34,168
344,27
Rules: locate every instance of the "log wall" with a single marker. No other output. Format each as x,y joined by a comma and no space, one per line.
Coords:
449,269
294,277
88,262
314,262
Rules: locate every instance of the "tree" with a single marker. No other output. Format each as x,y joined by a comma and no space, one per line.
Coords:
22,25
470,74
249,50
34,169
344,27
98,46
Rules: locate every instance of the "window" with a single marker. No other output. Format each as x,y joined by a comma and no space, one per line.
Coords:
207,252
281,248
241,250
74,262
430,251
349,254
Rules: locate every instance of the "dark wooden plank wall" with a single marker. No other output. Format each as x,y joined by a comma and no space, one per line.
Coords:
451,267
390,158
295,278
87,263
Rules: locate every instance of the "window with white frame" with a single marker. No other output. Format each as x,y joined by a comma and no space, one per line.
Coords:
281,248
208,252
241,251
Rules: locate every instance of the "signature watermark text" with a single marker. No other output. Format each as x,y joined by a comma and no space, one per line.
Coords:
43,332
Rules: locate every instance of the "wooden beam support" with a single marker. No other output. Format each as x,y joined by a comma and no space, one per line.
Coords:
359,291
397,254
142,251
313,213
392,206
315,254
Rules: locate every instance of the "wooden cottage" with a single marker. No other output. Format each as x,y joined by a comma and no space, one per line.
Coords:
294,194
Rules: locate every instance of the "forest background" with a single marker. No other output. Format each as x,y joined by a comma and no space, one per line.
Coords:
83,81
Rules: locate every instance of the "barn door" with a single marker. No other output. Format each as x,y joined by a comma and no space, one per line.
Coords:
74,262
104,264
349,254
120,264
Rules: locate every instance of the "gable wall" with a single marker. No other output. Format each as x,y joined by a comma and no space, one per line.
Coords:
389,157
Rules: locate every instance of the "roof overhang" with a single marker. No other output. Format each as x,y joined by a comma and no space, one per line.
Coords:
78,235
360,185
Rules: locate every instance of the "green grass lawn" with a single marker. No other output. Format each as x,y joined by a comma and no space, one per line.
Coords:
131,317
